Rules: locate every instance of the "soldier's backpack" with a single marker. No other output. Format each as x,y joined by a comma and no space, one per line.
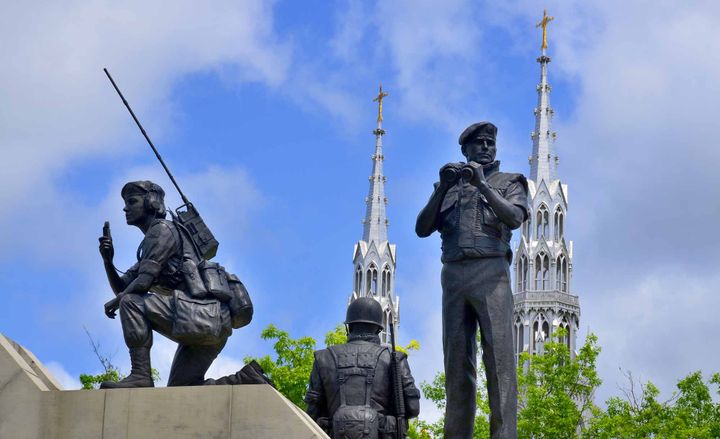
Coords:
355,421
205,279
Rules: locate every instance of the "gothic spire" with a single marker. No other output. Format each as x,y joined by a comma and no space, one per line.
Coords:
543,162
375,221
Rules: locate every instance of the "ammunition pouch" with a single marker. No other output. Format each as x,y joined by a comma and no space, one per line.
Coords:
215,279
198,321
355,422
194,284
388,424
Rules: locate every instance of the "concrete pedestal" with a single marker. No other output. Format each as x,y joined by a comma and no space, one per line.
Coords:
33,406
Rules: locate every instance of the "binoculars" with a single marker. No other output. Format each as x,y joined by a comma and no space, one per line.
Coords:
460,170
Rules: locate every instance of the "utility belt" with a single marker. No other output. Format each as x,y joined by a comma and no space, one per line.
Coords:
387,425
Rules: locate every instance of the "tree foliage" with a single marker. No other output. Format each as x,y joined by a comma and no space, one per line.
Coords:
689,413
555,391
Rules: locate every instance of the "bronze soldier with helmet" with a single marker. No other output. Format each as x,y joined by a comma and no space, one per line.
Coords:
350,394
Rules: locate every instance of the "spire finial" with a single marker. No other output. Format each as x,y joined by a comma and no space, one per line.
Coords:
544,23
379,98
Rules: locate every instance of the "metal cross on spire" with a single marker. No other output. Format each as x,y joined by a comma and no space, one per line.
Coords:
543,23
379,98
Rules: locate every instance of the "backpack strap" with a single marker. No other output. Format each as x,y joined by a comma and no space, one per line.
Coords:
341,377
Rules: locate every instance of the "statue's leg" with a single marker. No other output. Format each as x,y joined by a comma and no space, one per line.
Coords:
138,337
459,348
191,363
135,325
495,307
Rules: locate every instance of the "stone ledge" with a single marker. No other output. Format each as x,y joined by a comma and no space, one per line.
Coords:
32,407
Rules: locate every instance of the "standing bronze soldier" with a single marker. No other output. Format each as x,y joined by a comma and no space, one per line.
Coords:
351,385
475,207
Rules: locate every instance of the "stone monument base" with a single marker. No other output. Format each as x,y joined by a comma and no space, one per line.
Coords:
34,406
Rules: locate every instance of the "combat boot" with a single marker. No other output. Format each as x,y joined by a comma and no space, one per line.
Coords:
140,375
251,373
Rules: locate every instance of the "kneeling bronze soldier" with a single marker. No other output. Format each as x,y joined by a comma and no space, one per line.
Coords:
351,389
156,294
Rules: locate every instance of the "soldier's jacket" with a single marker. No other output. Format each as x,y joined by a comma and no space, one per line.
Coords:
323,397
468,225
161,249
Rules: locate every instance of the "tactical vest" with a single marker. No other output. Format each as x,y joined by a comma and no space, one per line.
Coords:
468,225
355,369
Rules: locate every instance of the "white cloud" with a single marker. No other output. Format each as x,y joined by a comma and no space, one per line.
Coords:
67,381
660,328
57,104
436,54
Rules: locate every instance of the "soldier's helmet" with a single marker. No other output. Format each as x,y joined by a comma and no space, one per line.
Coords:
365,310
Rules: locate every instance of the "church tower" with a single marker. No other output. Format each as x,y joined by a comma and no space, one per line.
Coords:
373,255
543,298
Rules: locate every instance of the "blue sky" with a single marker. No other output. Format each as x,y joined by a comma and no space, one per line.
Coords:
264,112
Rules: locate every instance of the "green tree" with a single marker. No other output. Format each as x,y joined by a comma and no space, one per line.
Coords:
555,394
290,369
689,413
555,391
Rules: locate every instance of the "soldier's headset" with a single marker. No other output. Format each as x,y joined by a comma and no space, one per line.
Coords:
153,201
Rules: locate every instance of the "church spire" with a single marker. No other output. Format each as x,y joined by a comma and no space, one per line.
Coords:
373,256
375,221
543,161
544,298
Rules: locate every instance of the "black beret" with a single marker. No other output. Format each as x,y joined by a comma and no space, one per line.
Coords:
480,130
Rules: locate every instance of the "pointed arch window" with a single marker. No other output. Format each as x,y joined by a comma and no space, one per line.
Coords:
540,334
542,219
542,270
566,338
561,274
526,228
358,279
519,336
522,274
558,225
371,280
386,281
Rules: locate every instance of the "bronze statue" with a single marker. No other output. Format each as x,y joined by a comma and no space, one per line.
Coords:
354,390
475,207
168,291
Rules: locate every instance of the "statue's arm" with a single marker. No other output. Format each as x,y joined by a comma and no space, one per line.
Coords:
511,214
512,209
114,279
107,252
159,245
315,399
427,219
410,391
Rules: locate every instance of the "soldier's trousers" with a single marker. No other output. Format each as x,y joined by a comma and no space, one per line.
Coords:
477,292
140,314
